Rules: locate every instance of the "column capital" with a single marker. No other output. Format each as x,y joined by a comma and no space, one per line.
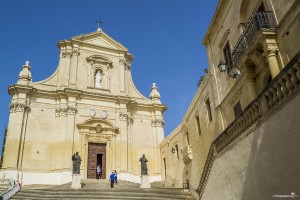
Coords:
158,122
19,107
123,116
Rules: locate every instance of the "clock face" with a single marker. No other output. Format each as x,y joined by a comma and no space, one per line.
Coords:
92,112
104,113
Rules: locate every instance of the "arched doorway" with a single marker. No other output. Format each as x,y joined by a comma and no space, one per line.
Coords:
97,138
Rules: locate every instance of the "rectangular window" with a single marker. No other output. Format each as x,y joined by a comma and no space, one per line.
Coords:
187,139
228,56
207,103
176,147
237,109
198,124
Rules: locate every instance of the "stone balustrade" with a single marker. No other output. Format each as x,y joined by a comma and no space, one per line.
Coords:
284,86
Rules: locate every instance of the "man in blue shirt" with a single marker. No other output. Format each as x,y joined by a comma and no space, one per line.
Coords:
112,179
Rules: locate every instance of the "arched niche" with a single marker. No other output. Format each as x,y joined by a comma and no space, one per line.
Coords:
257,66
98,63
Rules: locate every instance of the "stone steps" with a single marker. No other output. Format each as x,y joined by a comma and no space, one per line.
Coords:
100,189
151,194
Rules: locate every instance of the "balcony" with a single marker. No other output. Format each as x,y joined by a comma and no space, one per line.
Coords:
264,21
187,154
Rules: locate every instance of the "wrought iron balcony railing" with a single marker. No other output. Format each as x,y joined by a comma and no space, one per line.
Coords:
259,21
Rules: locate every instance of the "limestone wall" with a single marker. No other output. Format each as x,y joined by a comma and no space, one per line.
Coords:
261,164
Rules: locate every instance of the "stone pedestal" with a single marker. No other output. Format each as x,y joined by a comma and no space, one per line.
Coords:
145,182
76,181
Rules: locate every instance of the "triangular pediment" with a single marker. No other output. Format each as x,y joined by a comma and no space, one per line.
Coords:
101,39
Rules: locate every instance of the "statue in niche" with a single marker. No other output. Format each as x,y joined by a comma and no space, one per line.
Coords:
144,169
98,79
76,163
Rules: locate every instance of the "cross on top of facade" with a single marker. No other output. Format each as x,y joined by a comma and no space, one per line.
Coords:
99,22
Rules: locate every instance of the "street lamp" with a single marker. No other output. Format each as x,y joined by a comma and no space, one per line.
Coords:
223,68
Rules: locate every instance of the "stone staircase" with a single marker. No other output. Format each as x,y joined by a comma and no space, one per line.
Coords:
4,184
8,187
94,189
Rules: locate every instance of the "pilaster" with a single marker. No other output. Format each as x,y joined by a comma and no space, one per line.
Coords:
122,75
73,68
124,142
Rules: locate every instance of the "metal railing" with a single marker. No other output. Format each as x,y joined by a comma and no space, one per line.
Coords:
10,187
258,21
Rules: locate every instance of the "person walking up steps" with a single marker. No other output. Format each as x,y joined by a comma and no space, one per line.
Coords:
116,177
112,179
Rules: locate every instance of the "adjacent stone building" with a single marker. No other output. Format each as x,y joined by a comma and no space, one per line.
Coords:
239,136
89,105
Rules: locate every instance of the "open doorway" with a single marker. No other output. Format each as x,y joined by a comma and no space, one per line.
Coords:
99,162
96,155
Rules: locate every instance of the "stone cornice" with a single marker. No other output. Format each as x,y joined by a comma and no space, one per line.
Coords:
68,92
99,59
16,88
217,14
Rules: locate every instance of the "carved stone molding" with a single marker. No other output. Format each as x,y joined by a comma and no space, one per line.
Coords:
158,122
125,63
98,138
75,53
98,128
123,116
129,120
121,61
72,110
19,107
65,111
66,54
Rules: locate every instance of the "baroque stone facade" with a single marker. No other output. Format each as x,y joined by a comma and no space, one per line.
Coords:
236,139
90,101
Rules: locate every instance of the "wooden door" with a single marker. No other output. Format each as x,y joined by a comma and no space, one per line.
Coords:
96,155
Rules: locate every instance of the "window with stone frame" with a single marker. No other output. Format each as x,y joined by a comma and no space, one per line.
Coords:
228,56
198,124
237,108
176,147
208,109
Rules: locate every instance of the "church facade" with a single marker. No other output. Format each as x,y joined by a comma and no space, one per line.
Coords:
90,106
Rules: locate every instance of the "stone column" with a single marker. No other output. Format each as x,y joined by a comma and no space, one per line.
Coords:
73,68
15,135
123,142
271,51
129,142
158,136
273,63
122,75
69,133
251,85
66,75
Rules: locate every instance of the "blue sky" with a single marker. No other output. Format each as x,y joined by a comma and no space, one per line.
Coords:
163,35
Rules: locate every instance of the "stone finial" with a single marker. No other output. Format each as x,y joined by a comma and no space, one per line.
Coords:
25,75
154,95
